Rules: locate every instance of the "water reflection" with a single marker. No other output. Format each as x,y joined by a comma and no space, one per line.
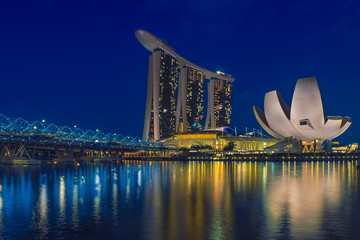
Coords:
181,200
40,215
75,208
62,201
1,212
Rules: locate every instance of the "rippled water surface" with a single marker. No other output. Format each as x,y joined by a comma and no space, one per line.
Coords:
181,200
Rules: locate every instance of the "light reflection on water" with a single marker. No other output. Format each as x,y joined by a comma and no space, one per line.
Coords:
182,200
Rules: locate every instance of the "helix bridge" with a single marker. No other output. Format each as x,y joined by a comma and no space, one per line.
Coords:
20,138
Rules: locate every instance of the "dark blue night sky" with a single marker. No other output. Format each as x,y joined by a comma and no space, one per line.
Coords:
79,63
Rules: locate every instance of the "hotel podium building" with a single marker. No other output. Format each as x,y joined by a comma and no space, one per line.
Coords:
175,93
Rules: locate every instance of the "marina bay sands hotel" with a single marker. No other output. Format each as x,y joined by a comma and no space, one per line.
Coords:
175,93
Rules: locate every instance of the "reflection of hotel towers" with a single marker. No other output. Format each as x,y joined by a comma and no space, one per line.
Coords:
170,73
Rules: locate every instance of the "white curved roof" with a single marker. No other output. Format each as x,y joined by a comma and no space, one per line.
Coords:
307,105
334,128
305,119
331,128
151,43
260,117
277,114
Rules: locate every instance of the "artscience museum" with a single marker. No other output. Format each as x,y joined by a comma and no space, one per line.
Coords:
304,120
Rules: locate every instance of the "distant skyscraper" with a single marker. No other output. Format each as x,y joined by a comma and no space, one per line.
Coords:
171,74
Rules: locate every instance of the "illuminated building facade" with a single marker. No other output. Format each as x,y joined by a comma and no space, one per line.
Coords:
217,140
219,103
169,69
171,74
161,102
222,101
190,104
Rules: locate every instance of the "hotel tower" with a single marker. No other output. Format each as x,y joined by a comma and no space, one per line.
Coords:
175,93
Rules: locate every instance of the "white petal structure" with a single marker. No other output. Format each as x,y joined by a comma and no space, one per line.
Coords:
305,120
260,117
306,107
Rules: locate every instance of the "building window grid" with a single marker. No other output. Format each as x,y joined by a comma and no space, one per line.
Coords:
169,71
194,99
222,103
168,85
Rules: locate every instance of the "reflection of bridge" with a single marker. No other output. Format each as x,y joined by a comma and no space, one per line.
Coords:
21,139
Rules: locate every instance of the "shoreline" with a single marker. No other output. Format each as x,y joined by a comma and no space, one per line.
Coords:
260,158
236,158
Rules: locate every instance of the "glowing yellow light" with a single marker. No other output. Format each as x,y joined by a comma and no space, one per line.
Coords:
43,120
34,127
